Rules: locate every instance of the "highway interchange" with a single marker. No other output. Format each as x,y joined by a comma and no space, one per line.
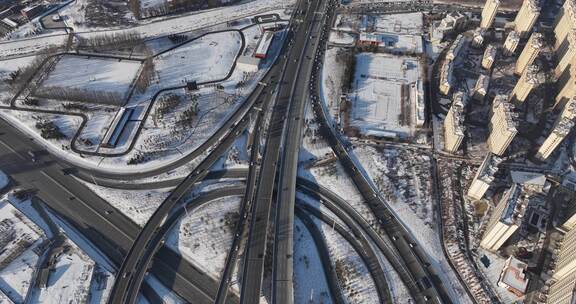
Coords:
269,204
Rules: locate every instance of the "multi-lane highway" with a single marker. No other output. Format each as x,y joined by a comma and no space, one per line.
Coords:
319,24
284,132
108,230
268,207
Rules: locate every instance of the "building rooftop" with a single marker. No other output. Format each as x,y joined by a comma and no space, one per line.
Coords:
528,178
533,5
515,200
513,276
457,109
537,41
489,168
490,51
502,103
563,127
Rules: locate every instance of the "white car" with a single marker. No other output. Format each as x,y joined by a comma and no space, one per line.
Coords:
56,18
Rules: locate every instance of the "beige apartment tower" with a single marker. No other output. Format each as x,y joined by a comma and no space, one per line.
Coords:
527,82
484,177
566,54
502,125
505,219
489,13
562,291
561,129
481,87
454,123
565,22
567,87
489,56
526,17
566,261
511,43
446,77
529,53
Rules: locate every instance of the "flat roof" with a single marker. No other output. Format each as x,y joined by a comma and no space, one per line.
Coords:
514,274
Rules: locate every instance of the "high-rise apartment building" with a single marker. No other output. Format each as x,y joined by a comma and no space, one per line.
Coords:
530,52
502,125
566,53
454,123
526,17
511,43
506,218
559,132
481,87
489,56
484,176
527,82
446,77
489,13
565,22
562,291
566,85
566,261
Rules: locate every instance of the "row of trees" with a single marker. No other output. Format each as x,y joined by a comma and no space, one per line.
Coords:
117,39
175,6
80,94
147,74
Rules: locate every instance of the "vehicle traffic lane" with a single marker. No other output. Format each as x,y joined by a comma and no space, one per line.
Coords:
255,255
283,287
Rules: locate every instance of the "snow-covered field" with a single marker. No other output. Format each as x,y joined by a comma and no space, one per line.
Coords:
19,240
92,74
381,96
205,59
205,234
138,205
16,278
333,71
6,68
356,283
403,177
309,280
409,24
70,280
418,215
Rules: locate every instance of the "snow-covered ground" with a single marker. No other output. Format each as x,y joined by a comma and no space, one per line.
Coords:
17,233
168,297
342,38
333,71
17,277
309,281
409,24
381,97
205,59
205,234
92,74
6,68
138,205
492,274
403,177
168,25
20,239
165,141
418,215
70,279
353,277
